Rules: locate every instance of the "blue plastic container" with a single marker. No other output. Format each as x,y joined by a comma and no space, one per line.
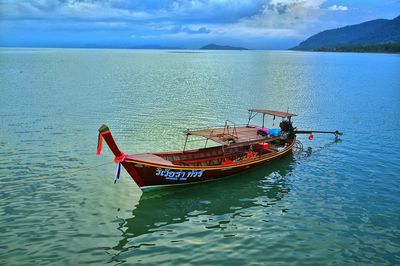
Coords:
274,132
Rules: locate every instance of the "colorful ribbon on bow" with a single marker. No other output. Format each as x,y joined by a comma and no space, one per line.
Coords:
118,160
117,172
100,141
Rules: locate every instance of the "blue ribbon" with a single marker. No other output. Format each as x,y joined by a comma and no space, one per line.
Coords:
117,172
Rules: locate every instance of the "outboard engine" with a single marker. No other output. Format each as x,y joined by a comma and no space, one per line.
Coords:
286,126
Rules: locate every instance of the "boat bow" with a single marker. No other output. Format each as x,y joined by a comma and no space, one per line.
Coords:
104,132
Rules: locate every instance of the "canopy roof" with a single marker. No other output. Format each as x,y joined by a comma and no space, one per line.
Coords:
274,113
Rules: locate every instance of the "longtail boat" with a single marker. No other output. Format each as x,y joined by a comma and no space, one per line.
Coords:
240,148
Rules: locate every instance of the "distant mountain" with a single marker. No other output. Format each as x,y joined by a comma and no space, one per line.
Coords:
126,46
368,36
213,46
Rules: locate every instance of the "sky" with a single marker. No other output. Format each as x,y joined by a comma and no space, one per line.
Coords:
254,24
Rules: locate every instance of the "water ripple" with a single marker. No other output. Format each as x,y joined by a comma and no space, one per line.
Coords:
336,204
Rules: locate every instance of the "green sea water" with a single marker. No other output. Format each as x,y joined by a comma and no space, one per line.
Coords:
337,205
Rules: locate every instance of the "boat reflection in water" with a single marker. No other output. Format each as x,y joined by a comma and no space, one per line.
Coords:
226,198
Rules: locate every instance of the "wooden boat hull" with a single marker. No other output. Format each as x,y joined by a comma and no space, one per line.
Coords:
242,148
150,176
155,170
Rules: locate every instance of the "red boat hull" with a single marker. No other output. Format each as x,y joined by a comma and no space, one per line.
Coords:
151,176
154,170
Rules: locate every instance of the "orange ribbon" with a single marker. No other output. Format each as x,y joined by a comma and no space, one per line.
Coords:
120,159
100,141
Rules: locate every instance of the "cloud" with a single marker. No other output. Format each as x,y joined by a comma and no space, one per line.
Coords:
241,20
218,11
127,20
201,30
286,17
279,7
154,30
338,8
204,11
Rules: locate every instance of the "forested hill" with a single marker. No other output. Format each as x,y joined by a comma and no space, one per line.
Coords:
379,35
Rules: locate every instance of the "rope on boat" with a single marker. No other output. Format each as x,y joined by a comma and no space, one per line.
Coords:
298,147
77,171
117,171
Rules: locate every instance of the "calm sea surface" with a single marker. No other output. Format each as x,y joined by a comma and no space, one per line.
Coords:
339,205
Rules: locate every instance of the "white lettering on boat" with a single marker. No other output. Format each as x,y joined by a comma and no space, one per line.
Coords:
178,175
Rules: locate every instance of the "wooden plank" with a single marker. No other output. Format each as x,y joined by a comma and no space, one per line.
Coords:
149,158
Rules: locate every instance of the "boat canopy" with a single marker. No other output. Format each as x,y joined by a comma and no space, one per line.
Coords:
254,112
224,136
274,113
230,134
237,136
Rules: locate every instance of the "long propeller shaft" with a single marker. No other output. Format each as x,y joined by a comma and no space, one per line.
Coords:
336,133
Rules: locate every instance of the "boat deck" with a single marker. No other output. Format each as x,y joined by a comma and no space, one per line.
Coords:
149,158
234,135
235,143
